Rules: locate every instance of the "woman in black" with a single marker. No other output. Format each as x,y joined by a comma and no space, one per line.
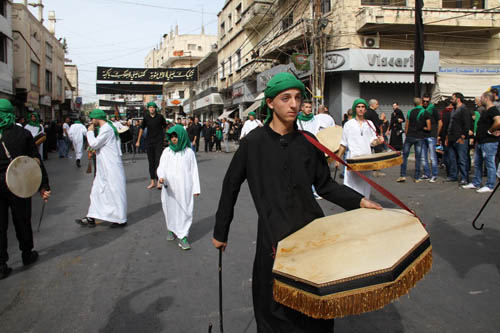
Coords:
396,126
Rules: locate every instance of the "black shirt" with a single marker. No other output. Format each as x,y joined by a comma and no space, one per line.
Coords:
372,115
484,124
460,124
417,123
156,128
196,129
434,117
19,141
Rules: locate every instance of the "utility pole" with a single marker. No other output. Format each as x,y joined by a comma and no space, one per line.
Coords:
318,47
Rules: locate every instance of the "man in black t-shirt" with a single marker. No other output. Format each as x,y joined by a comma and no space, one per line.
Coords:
487,132
417,121
430,139
196,130
155,124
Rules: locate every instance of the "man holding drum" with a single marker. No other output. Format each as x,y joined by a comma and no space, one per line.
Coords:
280,166
16,141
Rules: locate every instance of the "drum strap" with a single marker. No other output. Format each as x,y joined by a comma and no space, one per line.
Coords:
386,143
376,186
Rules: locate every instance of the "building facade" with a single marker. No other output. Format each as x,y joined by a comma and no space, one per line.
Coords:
39,75
6,51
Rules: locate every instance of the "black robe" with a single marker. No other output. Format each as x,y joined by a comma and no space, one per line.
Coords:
280,171
396,139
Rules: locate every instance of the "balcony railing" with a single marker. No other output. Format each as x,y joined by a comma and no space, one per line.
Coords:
254,15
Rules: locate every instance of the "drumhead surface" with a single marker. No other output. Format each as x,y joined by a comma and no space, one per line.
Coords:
330,137
123,129
23,176
375,156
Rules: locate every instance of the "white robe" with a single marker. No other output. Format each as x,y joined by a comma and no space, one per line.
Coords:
76,133
311,126
325,120
249,126
34,130
180,173
108,198
357,139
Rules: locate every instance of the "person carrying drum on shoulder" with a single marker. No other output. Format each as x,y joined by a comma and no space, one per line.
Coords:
282,195
16,141
156,125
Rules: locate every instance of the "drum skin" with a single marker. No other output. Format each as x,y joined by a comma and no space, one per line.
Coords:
23,176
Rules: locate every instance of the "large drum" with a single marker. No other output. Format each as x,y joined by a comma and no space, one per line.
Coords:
40,138
23,176
125,134
375,161
330,137
351,263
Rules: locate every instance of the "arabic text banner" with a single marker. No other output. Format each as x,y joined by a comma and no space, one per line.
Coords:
147,74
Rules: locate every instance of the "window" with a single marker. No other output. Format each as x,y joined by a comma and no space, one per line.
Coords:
238,59
287,21
192,47
3,7
230,66
48,81
238,11
222,29
35,73
48,52
222,74
229,21
59,87
399,3
181,93
326,6
470,4
3,48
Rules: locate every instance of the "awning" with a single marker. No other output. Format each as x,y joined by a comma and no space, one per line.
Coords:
470,85
370,77
226,114
255,105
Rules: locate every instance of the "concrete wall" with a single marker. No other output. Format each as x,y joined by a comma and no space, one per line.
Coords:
7,68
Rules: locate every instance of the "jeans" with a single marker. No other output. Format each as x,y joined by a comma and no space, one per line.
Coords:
485,152
458,160
63,146
429,147
417,142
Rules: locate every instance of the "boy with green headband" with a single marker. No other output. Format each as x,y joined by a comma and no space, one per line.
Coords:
306,119
178,172
249,125
35,128
280,166
108,197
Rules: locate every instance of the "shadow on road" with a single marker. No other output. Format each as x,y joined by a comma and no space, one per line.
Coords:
385,320
201,228
125,319
143,213
465,251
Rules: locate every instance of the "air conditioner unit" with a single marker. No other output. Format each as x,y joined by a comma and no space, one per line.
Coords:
371,42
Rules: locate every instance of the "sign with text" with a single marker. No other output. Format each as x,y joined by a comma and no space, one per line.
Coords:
189,74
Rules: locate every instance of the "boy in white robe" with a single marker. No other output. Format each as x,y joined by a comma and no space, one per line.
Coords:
306,121
108,197
76,133
250,125
178,172
35,128
358,136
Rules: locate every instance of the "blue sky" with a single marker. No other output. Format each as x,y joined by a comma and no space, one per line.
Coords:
121,32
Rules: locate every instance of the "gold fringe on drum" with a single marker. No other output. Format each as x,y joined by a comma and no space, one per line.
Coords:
377,165
355,301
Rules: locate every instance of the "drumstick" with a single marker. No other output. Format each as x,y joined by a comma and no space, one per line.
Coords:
220,291
481,210
41,216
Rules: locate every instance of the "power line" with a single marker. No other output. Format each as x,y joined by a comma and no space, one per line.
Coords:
162,7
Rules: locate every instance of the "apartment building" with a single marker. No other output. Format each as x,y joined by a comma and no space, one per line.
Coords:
6,51
176,50
39,75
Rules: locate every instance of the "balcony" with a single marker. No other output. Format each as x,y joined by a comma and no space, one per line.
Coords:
254,15
402,19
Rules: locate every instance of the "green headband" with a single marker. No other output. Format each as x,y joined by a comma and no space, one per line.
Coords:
98,114
153,104
252,114
358,101
6,106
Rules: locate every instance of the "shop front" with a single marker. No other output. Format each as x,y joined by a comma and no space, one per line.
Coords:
386,75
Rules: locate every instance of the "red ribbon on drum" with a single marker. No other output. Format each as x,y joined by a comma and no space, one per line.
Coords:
376,186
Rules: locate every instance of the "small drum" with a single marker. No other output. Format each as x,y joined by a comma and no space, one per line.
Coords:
375,161
351,263
23,176
40,138
330,137
125,134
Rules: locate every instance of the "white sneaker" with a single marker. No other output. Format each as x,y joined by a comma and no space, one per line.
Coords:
469,186
484,189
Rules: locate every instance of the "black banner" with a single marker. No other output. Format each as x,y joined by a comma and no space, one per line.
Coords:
104,102
147,74
129,89
418,50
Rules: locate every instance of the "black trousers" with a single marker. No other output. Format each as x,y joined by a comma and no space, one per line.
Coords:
21,216
154,154
208,145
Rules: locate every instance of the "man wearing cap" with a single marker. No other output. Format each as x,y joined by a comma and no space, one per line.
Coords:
156,125
108,197
18,142
250,125
280,166
358,137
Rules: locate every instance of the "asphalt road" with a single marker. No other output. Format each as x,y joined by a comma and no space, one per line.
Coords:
132,280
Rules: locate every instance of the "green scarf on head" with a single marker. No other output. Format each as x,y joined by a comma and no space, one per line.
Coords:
99,114
182,138
357,102
305,117
251,113
278,83
78,122
7,117
35,123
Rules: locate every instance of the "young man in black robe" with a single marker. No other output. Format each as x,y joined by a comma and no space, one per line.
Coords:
280,166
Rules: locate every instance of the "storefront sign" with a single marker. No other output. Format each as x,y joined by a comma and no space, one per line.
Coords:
68,94
33,98
378,60
174,101
486,70
45,100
